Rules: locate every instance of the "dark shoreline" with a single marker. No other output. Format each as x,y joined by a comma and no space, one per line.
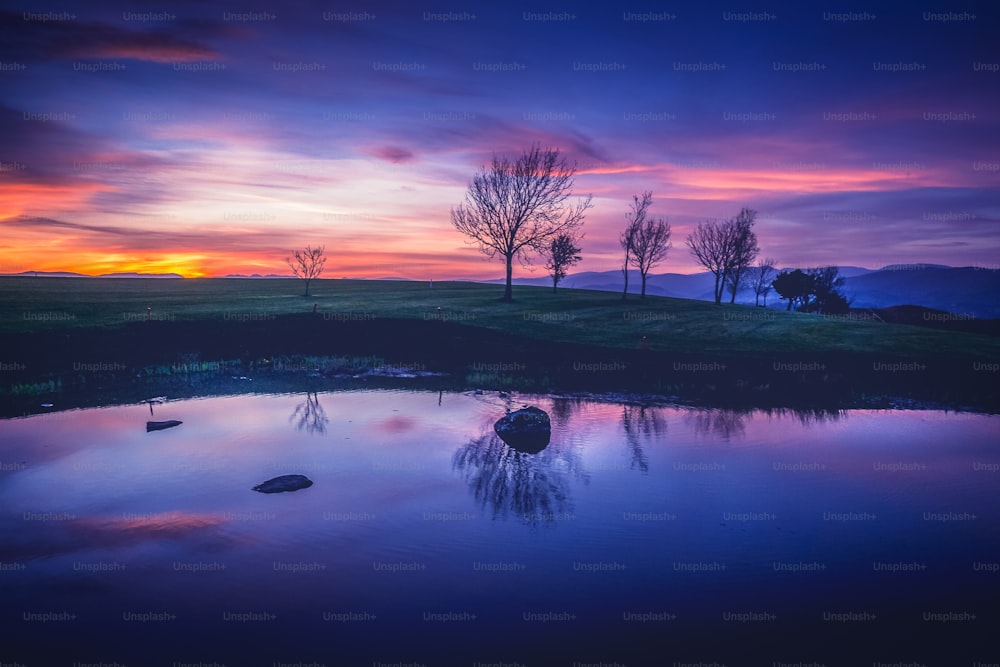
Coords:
88,364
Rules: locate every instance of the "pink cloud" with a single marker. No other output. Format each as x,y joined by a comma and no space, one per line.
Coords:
394,154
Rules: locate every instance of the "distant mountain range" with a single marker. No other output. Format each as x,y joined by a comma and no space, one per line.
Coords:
70,274
964,291
129,274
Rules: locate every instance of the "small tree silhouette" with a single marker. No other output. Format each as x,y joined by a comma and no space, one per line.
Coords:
744,248
760,279
795,286
648,238
562,254
633,219
827,291
307,264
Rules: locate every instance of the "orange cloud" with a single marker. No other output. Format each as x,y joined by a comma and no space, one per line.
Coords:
21,199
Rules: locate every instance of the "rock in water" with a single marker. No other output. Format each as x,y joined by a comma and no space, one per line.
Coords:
526,430
159,426
284,483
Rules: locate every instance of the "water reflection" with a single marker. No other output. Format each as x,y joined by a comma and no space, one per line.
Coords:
97,519
158,400
809,417
564,409
723,424
729,424
310,416
641,423
532,487
65,533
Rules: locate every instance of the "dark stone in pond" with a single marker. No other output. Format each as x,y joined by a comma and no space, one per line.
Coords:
159,426
526,430
284,483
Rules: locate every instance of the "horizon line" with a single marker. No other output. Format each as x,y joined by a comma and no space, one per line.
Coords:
170,275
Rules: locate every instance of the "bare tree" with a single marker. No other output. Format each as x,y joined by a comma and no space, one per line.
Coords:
633,220
562,253
744,247
711,245
307,264
513,208
650,244
759,278
733,288
726,249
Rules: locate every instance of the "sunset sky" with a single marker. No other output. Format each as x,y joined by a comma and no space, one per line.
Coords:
208,139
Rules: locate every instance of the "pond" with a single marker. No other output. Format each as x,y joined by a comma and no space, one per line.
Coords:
642,534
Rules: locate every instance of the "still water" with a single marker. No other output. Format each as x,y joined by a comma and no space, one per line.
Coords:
639,536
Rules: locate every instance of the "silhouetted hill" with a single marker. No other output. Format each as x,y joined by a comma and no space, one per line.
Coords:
71,274
964,291
913,267
851,271
47,274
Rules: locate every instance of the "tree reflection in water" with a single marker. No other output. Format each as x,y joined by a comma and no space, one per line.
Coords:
532,487
811,416
717,422
727,424
310,416
564,409
641,423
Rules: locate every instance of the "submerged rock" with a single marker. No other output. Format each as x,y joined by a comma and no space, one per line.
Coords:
159,426
526,430
284,483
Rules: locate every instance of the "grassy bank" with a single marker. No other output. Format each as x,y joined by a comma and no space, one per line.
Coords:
681,326
86,338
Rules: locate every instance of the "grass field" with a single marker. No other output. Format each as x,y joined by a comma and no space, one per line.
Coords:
582,316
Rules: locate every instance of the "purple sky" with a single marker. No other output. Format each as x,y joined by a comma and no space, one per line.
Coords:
210,140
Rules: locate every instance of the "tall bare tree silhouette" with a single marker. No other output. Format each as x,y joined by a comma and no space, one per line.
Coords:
515,207
645,240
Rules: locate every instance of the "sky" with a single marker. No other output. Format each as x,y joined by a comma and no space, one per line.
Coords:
210,139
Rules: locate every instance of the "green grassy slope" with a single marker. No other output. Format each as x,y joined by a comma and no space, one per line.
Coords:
591,317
